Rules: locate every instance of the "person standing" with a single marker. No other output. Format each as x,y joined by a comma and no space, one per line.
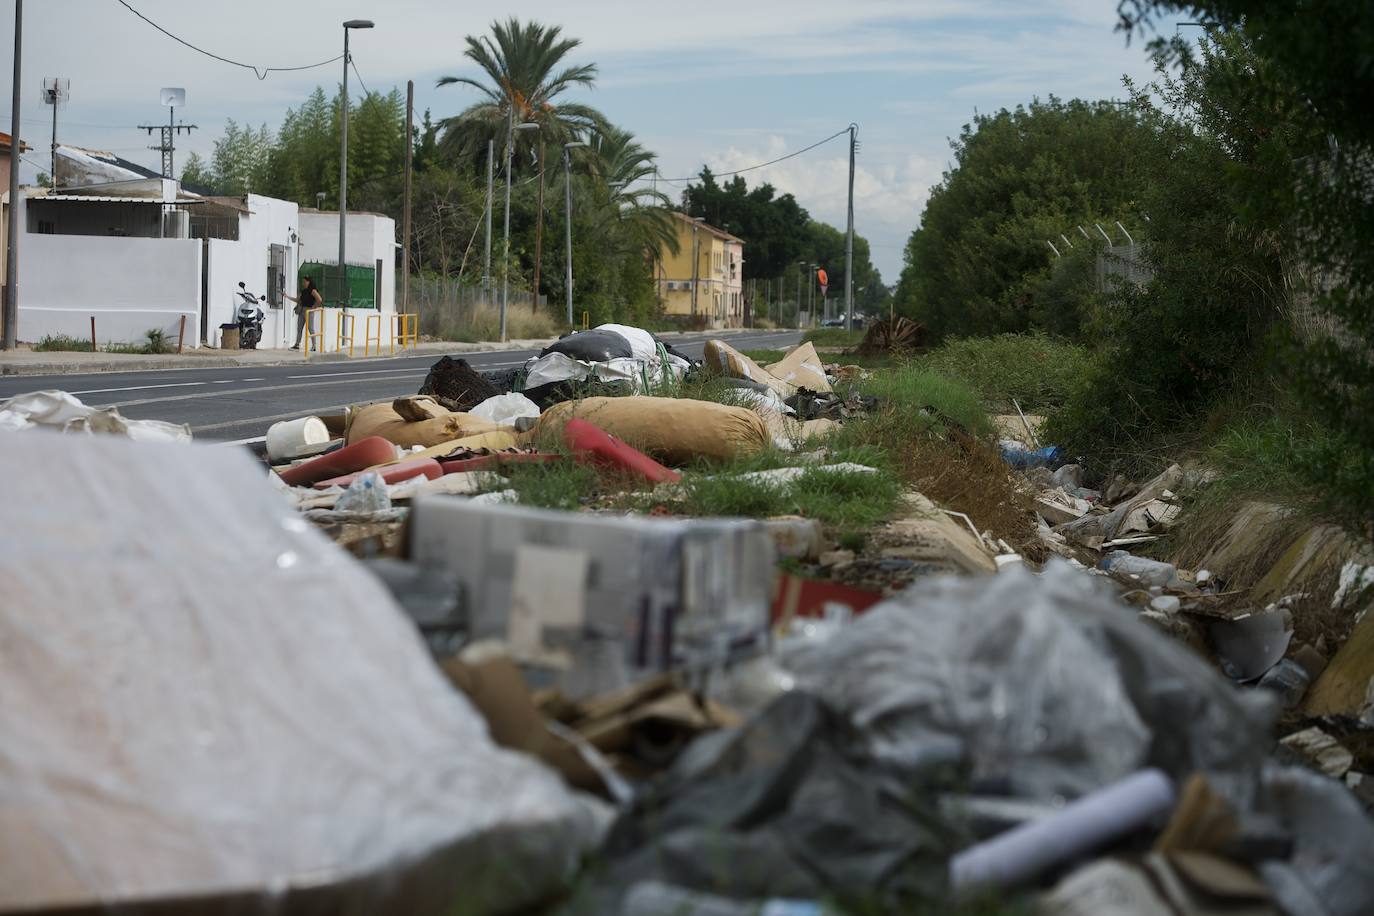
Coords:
309,298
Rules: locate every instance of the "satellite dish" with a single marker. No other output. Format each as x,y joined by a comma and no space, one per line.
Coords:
55,91
174,98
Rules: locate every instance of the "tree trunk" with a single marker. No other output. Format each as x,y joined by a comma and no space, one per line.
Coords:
538,231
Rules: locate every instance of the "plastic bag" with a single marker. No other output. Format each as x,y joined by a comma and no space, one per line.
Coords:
64,412
505,408
592,346
1045,684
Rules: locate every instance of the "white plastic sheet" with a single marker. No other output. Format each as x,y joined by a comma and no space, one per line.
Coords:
650,363
62,412
506,408
203,696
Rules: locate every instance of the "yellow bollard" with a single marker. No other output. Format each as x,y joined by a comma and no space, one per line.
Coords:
586,320
317,337
345,321
368,337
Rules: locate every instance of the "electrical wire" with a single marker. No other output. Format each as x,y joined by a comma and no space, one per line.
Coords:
259,72
358,75
761,165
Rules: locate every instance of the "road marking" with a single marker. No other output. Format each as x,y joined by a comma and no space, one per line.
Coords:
252,440
230,392
269,419
136,388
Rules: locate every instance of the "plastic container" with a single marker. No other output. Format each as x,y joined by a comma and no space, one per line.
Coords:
654,898
297,438
1149,573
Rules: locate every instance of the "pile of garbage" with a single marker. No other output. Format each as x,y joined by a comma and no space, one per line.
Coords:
487,707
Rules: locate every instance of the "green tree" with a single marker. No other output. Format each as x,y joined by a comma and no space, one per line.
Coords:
1020,177
195,171
1315,60
623,165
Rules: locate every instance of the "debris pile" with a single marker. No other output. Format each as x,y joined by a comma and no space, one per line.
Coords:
491,707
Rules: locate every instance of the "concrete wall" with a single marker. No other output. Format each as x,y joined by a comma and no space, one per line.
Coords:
370,237
271,222
129,285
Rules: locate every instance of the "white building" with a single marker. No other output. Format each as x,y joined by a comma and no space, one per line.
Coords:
142,253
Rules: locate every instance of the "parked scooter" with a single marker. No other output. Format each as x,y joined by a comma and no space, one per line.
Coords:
250,318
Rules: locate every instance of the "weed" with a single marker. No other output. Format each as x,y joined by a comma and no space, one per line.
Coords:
158,342
846,499
1037,371
62,342
852,540
552,485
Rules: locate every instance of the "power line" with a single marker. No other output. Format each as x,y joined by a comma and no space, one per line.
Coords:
358,75
761,164
260,72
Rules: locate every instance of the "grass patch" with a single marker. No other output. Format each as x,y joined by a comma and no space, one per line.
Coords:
51,343
554,485
481,323
833,337
1039,372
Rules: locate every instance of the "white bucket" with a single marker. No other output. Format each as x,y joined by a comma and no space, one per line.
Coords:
296,438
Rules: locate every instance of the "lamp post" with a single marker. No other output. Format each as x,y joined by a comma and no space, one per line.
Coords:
11,311
696,260
511,128
811,291
345,294
567,221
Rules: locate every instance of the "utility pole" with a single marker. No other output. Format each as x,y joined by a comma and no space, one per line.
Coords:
486,263
55,92
171,98
696,261
345,293
12,237
567,217
538,230
849,235
405,205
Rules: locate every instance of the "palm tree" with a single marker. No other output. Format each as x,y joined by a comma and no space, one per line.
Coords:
522,65
622,164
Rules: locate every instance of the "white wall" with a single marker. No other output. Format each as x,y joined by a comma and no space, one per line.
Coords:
370,238
270,222
129,285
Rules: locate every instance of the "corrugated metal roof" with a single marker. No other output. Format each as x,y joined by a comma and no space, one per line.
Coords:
117,200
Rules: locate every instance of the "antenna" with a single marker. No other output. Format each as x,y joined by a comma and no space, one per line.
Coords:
55,91
171,98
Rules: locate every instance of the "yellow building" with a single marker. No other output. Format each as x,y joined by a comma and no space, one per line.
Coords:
705,278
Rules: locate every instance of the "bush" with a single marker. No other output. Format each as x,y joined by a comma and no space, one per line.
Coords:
1037,371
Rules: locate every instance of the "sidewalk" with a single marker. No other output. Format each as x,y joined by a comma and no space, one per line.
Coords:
23,361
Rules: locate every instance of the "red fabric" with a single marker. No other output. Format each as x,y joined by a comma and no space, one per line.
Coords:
361,454
607,450
391,474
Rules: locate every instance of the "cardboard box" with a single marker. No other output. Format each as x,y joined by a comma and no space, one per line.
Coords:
601,601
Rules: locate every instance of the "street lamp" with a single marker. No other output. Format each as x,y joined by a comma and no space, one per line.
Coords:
567,217
345,294
511,128
696,261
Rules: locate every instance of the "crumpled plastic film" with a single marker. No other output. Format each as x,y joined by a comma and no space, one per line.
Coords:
1042,685
63,412
203,696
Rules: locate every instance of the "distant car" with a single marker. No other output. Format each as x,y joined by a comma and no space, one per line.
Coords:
833,323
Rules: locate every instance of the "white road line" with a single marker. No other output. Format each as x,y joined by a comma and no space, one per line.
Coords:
136,388
249,441
226,424
230,392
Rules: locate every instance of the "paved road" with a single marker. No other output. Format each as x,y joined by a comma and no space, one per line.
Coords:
240,403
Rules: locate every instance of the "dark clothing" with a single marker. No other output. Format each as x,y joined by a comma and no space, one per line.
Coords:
303,304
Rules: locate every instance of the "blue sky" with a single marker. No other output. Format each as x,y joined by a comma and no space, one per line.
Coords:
729,85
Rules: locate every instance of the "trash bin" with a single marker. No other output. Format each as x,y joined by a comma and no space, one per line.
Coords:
229,337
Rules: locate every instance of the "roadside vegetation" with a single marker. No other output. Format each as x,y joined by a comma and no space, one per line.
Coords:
155,342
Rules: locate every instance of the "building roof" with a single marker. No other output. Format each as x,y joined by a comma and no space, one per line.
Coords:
107,199
335,213
707,227
229,203
6,141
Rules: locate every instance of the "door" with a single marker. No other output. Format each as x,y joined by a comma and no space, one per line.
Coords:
276,275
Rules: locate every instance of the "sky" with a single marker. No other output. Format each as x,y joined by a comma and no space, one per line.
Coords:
728,85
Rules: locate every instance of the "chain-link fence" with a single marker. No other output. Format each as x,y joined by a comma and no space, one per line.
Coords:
453,310
1122,264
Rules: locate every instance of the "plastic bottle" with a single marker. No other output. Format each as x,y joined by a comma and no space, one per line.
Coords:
654,898
1148,572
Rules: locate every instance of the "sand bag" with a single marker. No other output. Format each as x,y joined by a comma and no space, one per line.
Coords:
726,360
673,430
803,368
383,420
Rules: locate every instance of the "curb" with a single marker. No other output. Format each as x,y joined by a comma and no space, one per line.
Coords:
134,364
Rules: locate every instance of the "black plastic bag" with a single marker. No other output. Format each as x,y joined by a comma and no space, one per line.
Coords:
592,346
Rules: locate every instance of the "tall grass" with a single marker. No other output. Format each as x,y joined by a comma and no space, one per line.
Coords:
480,323
1037,371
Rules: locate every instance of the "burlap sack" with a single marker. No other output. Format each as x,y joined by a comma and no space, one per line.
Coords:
673,430
383,420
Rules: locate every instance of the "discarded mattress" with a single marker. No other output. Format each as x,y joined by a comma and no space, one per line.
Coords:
676,431
256,731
